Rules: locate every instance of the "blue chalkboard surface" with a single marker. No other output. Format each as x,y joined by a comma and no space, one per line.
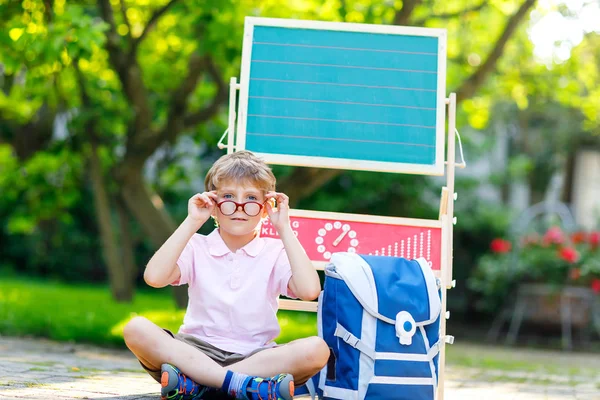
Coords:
338,95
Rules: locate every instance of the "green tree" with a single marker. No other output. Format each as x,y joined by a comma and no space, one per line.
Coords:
135,75
478,34
553,107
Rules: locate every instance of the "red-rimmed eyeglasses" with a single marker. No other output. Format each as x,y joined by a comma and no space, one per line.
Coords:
229,207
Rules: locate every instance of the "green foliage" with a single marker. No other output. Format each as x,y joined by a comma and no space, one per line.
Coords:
519,167
45,188
375,193
47,224
47,218
493,279
478,222
87,313
66,249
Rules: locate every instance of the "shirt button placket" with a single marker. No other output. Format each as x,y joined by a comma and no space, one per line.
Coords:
234,281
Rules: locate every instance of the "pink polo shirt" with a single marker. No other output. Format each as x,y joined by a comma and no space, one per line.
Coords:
233,296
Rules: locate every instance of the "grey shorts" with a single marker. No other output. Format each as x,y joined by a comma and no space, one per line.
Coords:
221,357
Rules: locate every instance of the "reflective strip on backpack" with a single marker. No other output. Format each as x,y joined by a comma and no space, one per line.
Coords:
409,357
332,392
393,380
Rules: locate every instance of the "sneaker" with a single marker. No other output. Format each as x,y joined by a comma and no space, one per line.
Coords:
176,386
279,387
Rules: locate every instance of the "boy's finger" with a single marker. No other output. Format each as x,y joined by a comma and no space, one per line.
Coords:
202,200
207,200
282,198
196,198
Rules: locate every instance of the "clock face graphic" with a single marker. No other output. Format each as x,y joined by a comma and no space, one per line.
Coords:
336,237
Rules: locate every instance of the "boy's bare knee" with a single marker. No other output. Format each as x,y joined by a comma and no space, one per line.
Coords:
135,326
317,352
136,330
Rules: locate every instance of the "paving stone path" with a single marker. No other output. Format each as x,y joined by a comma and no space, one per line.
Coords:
43,369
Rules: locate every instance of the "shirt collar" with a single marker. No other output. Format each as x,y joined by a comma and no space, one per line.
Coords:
218,248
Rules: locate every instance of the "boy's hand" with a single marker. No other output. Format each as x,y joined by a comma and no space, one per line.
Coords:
279,216
201,206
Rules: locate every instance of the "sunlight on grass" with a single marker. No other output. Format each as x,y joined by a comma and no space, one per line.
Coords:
87,313
295,324
170,320
84,313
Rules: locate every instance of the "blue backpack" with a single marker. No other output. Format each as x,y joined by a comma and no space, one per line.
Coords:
380,317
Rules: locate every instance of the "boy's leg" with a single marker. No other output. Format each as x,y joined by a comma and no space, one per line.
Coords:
301,358
154,347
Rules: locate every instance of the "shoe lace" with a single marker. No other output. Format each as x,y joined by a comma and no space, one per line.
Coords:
272,396
270,390
183,381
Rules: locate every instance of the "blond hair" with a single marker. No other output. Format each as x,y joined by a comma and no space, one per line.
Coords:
240,167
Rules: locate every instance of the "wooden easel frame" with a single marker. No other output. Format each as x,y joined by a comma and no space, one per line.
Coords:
445,221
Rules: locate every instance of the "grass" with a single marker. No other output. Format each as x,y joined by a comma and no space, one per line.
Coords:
87,313
497,363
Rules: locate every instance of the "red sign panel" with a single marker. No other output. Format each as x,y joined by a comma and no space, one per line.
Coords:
321,237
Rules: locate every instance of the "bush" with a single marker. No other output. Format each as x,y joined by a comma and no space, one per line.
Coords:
555,259
478,223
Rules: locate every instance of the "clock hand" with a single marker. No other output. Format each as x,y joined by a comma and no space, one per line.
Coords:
339,238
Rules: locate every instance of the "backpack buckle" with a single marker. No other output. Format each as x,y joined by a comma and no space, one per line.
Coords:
351,339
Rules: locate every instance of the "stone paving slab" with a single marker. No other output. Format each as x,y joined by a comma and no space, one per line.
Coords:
43,369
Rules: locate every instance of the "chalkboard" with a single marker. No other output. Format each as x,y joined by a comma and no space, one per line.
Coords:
342,95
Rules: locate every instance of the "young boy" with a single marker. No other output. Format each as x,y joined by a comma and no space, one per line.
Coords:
235,277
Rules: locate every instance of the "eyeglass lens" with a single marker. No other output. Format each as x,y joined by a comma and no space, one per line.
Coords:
230,207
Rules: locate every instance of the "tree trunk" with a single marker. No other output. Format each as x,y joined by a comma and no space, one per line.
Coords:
120,282
127,251
305,181
402,17
567,191
148,209
32,137
470,86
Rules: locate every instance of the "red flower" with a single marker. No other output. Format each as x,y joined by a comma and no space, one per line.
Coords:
574,274
569,254
594,239
500,246
596,285
554,235
578,237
